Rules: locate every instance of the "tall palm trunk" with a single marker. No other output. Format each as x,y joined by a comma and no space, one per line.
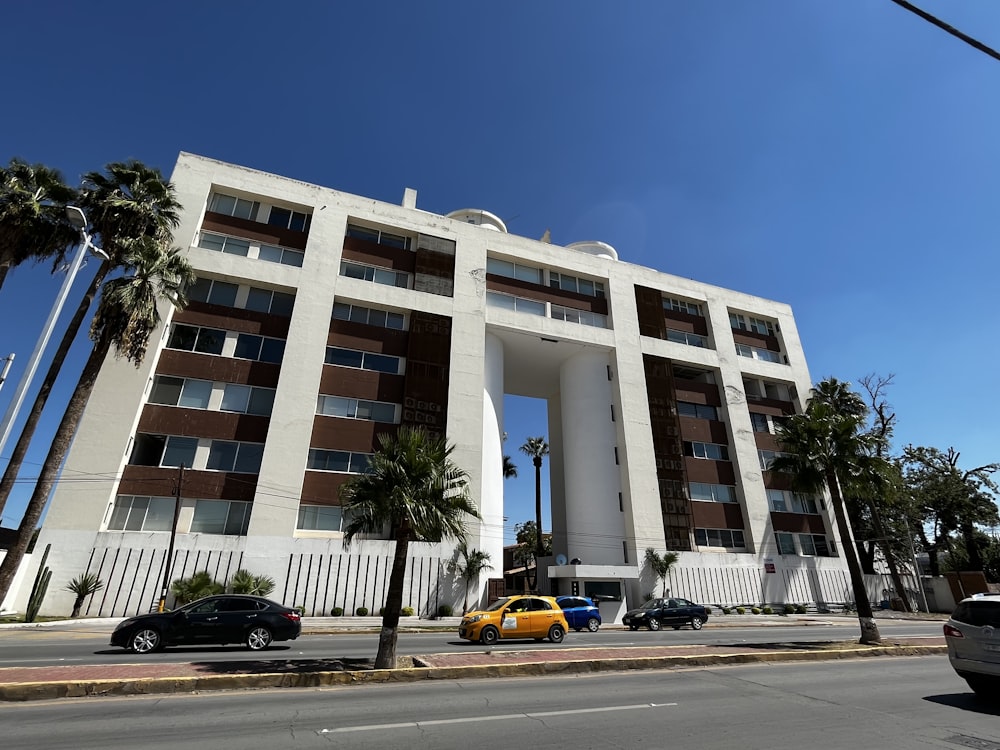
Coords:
539,548
386,657
3,274
866,618
53,462
31,423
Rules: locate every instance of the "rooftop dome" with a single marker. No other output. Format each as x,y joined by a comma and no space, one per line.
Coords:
593,247
480,218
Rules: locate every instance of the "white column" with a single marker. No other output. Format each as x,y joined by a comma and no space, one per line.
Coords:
491,538
595,526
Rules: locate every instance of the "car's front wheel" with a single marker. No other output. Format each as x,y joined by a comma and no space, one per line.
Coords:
145,641
593,624
697,622
258,638
653,623
489,636
556,633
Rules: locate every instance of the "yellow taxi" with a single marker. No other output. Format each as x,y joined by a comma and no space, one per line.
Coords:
527,616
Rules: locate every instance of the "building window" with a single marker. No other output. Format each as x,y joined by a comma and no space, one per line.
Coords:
374,274
363,360
369,316
756,352
766,458
683,306
378,237
319,518
760,389
698,411
573,284
259,348
163,450
233,206
814,545
712,493
583,317
288,219
759,422
783,501
242,458
221,517
269,301
283,255
195,339
713,451
224,244
353,408
786,543
682,337
756,325
140,513
519,304
729,538
345,462
171,391
512,270
213,291
245,399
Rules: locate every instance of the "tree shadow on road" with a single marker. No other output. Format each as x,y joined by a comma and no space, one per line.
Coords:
283,666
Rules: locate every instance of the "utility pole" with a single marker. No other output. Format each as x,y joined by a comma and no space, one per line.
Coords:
6,368
168,561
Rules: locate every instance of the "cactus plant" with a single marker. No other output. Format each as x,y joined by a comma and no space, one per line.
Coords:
39,588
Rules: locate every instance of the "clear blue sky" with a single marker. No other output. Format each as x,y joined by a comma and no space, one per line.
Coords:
838,156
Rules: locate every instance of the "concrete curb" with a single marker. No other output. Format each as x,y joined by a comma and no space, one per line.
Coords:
33,691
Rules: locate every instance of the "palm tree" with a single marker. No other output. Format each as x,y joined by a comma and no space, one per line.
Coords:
536,447
126,317
132,203
413,487
825,448
33,223
83,586
508,466
468,563
661,564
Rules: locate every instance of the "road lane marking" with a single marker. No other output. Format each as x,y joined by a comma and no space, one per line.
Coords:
502,717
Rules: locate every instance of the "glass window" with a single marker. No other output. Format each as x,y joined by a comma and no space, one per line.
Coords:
234,246
786,543
183,337
272,350
210,517
179,451
196,394
322,460
261,402
759,422
381,363
247,346
212,241
249,457
223,204
530,306
159,514
319,518
806,543
223,293
235,398
527,273
279,217
343,357
282,304
383,412
137,514
500,267
270,253
166,390
222,455
259,300
776,499
210,341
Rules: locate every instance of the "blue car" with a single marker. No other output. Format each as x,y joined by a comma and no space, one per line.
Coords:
580,612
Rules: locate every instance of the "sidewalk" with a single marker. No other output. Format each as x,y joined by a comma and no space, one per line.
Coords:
42,683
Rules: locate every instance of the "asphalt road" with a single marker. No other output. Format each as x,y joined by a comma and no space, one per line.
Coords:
52,646
890,704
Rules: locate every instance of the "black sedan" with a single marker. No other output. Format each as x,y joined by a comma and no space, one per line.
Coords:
675,611
228,618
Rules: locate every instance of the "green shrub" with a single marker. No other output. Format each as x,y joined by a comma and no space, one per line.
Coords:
755,610
741,610
768,611
726,610
445,610
200,584
408,612
245,582
337,612
789,609
361,611
800,609
381,611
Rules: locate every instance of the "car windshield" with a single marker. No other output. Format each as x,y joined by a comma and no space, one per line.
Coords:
498,604
652,604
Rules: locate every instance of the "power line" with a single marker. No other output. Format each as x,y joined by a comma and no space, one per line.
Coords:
950,29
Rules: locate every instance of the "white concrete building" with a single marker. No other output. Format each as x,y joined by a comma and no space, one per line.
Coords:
322,319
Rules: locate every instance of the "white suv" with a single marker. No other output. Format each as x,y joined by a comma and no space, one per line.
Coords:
973,637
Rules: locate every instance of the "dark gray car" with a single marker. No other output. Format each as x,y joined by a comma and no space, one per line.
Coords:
674,611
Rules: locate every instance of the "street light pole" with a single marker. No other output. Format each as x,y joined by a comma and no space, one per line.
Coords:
79,220
6,368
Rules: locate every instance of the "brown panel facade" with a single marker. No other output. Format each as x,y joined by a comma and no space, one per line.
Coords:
680,321
202,485
367,338
703,430
177,420
352,383
434,271
649,304
798,523
323,487
374,254
717,516
340,433
766,441
543,293
254,230
233,319
712,472
671,479
223,369
425,399
697,393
